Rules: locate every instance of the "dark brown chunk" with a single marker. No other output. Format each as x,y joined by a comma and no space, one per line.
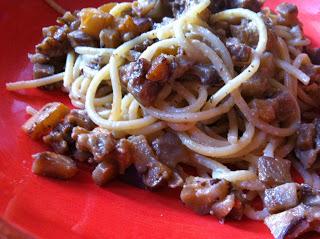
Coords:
67,18
99,142
79,38
281,198
82,156
176,180
180,65
294,222
156,175
61,34
134,71
257,86
52,47
133,75
253,5
45,119
246,32
288,14
307,157
49,31
306,134
80,118
300,228
177,6
219,5
143,46
144,91
144,80
60,138
38,58
284,106
55,43
222,208
122,155
206,73
133,55
309,195
109,38
159,70
281,108
252,185
170,150
54,165
237,210
267,66
104,172
154,172
201,193
273,171
240,53
264,110
52,50
308,143
143,24
42,70
281,223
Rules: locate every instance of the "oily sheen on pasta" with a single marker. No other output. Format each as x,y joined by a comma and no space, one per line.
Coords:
219,98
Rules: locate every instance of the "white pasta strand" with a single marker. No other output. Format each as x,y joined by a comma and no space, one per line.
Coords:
35,83
233,127
133,110
258,141
191,117
236,176
125,103
77,67
85,50
199,136
293,71
68,76
216,152
195,105
150,129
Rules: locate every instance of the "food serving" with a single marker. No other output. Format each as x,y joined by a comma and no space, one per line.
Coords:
218,98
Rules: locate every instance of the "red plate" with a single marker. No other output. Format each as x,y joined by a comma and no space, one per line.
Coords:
79,209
